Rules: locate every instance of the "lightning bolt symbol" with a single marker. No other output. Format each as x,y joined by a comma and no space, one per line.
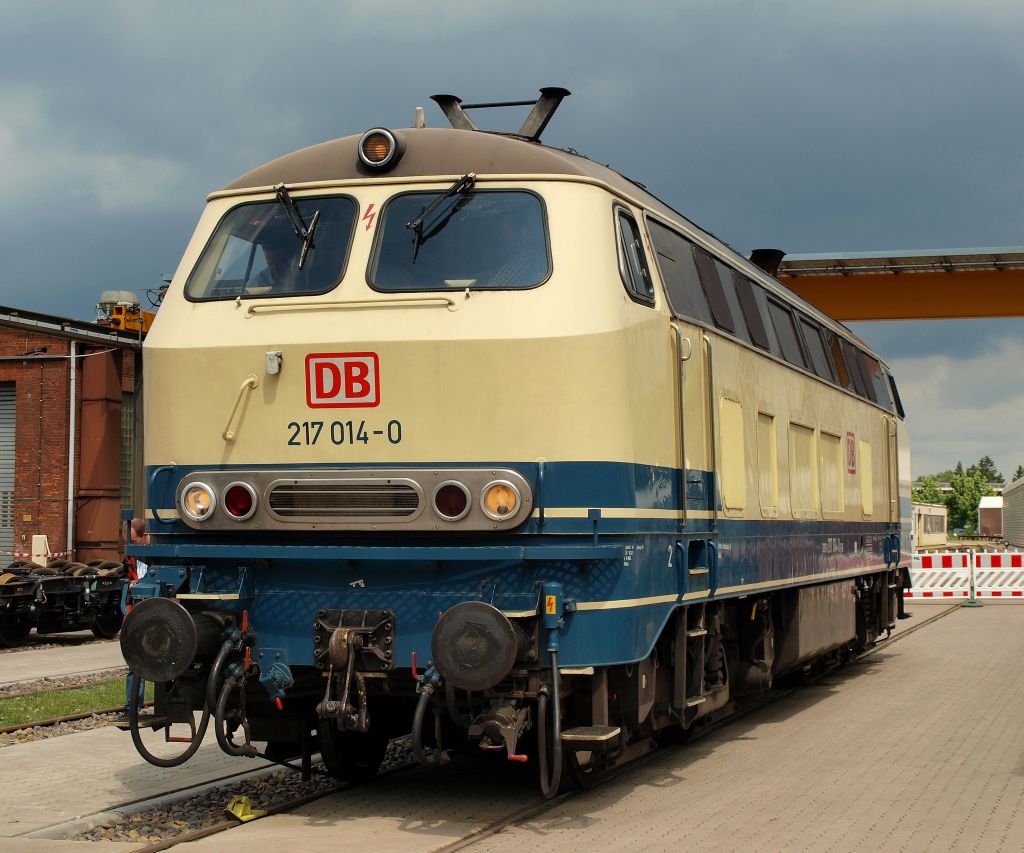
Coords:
368,217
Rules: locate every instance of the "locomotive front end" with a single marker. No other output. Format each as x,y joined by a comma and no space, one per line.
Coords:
370,397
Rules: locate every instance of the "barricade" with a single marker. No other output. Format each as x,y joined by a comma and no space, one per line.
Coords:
941,575
967,576
999,575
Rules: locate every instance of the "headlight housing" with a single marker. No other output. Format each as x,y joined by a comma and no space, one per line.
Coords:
500,500
198,501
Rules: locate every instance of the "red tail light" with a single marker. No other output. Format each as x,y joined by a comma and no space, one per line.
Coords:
451,500
239,501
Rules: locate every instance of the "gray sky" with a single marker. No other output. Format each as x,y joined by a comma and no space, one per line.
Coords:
796,124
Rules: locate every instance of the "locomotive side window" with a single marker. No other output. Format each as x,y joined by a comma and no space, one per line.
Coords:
727,277
855,365
257,252
486,239
840,363
876,380
896,397
632,260
815,347
751,312
674,256
782,320
712,285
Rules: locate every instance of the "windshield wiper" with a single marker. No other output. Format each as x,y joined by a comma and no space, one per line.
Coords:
416,225
305,234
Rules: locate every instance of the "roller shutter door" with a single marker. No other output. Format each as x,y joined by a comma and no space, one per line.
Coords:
7,433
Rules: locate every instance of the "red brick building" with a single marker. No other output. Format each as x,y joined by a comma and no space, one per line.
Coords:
69,441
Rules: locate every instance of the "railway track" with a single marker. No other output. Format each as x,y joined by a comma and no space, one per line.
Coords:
223,789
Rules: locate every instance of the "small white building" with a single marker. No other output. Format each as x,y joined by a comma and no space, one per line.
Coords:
929,525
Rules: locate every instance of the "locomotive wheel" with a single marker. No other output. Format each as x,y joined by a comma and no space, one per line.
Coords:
353,756
105,565
105,627
13,633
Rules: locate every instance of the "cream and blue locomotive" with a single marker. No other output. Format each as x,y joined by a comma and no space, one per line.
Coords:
452,432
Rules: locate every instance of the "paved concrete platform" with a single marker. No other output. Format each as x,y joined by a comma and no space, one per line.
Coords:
919,747
49,784
33,664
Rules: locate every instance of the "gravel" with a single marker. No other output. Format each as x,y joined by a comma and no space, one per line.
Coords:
58,641
269,790
26,735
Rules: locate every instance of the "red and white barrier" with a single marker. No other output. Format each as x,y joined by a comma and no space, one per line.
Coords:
967,576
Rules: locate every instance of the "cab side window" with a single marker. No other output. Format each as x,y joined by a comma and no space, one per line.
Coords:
632,260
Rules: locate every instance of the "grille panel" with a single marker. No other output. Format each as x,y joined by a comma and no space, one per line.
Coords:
317,499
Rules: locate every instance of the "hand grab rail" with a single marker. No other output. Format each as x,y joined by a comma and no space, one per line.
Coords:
251,383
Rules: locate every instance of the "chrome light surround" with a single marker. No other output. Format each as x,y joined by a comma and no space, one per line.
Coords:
390,159
497,516
465,509
252,494
195,487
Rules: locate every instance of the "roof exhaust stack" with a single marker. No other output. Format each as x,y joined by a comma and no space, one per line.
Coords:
543,109
768,259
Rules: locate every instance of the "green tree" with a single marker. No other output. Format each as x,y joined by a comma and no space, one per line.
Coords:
987,468
926,491
1019,472
968,490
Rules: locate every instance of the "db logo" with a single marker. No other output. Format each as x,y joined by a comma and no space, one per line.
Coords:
342,380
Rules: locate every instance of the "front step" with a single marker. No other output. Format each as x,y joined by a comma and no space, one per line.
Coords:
587,737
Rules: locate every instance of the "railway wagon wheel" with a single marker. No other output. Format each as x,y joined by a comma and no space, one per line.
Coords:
353,756
80,571
21,567
106,626
13,630
105,565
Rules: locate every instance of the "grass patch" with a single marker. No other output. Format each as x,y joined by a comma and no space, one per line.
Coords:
64,702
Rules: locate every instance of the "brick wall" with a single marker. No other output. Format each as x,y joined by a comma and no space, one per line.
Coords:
42,425
41,437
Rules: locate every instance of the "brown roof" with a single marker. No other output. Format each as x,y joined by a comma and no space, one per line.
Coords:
430,151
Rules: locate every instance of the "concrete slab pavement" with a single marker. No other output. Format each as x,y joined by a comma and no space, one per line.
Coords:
51,783
33,664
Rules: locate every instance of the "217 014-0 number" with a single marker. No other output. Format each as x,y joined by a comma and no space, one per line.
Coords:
341,432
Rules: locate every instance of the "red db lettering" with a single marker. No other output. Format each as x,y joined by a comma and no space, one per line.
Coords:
327,372
356,386
339,380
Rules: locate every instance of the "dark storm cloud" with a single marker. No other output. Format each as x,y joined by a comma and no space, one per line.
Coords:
784,124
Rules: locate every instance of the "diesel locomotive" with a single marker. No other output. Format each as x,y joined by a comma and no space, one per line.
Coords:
452,432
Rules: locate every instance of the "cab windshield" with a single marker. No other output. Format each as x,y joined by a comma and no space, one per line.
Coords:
489,239
256,252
